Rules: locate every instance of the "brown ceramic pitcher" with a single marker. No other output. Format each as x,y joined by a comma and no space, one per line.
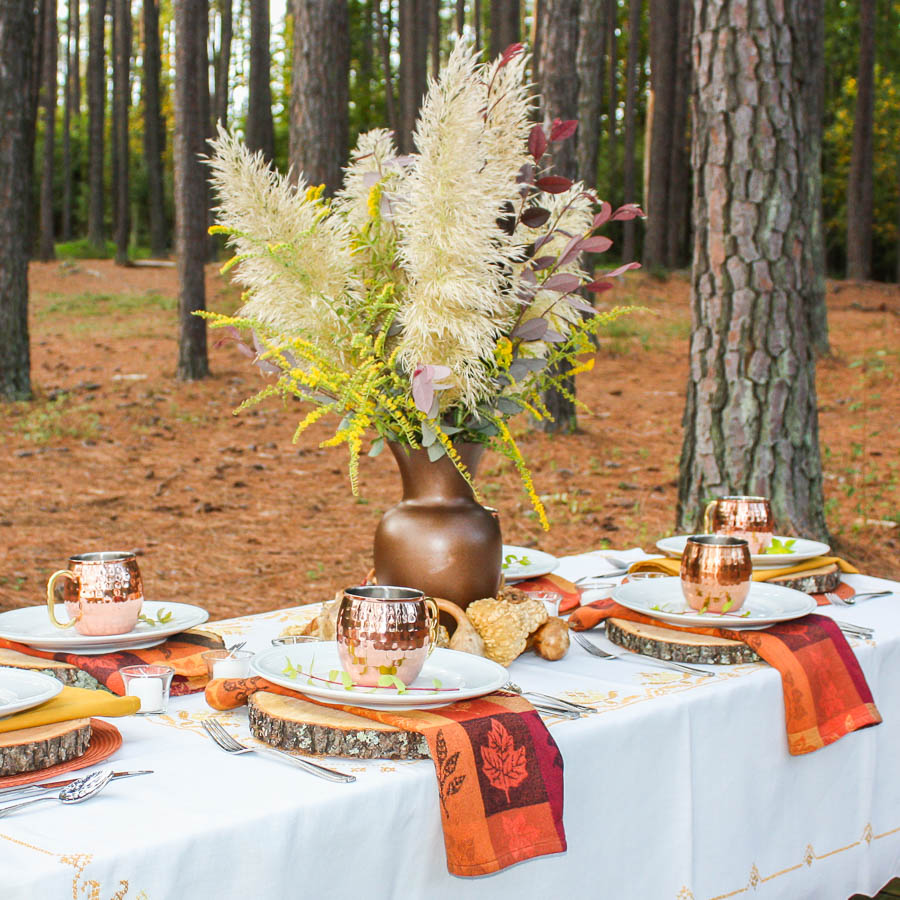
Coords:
438,539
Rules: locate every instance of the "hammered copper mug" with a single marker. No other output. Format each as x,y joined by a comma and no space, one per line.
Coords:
385,630
103,593
749,518
715,573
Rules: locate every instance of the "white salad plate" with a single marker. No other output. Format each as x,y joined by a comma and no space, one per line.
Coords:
20,689
765,605
32,626
801,550
460,676
520,563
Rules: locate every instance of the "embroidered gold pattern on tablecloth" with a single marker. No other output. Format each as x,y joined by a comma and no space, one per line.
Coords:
809,857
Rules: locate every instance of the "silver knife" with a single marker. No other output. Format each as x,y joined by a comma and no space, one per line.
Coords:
13,793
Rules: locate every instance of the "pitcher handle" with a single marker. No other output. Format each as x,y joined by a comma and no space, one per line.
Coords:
50,598
433,623
706,516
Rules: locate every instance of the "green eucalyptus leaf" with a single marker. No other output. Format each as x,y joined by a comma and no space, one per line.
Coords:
429,435
377,446
435,451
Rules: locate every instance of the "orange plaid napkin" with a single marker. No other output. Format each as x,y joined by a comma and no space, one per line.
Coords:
182,652
499,773
825,692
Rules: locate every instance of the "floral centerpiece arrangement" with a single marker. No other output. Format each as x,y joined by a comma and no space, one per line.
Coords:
434,296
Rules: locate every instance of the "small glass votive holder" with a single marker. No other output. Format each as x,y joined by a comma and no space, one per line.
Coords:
227,663
286,639
551,601
645,576
150,684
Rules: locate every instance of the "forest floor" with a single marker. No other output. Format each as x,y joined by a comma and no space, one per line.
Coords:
224,511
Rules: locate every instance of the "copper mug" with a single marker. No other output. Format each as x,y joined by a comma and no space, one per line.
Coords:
749,518
103,593
715,573
385,630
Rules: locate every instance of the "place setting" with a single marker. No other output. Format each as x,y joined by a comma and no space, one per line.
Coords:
96,650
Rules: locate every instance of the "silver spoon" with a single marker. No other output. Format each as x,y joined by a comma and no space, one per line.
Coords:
72,793
235,647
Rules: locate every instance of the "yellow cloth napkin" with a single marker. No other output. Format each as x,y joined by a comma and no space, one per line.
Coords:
672,566
71,703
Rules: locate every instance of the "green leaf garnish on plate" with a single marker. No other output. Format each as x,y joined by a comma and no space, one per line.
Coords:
781,547
512,560
163,617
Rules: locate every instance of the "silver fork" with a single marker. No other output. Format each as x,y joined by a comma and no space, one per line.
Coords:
838,600
224,740
567,704
594,650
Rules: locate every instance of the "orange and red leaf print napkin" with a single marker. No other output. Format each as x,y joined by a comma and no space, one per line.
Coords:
499,773
825,693
182,652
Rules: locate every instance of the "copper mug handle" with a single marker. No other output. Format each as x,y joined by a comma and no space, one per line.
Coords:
50,598
706,516
432,607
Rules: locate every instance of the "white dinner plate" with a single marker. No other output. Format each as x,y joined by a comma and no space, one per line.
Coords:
801,550
21,689
461,677
520,563
662,599
31,625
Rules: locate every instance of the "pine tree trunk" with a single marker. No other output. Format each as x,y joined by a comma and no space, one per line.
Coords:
412,80
76,56
811,38
47,250
320,91
629,230
434,35
384,46
661,109
750,421
96,89
678,186
506,28
121,90
35,80
190,187
460,16
17,22
368,117
154,131
559,90
591,69
223,62
537,29
612,15
476,17
859,185
260,129
68,103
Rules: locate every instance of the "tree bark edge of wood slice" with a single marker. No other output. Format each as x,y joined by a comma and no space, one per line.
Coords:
812,581
290,723
68,674
678,646
31,749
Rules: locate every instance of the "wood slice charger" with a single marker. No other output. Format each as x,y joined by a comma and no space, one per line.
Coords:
290,723
678,646
812,581
38,754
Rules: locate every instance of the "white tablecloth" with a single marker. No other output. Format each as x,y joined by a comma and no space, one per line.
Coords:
681,788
